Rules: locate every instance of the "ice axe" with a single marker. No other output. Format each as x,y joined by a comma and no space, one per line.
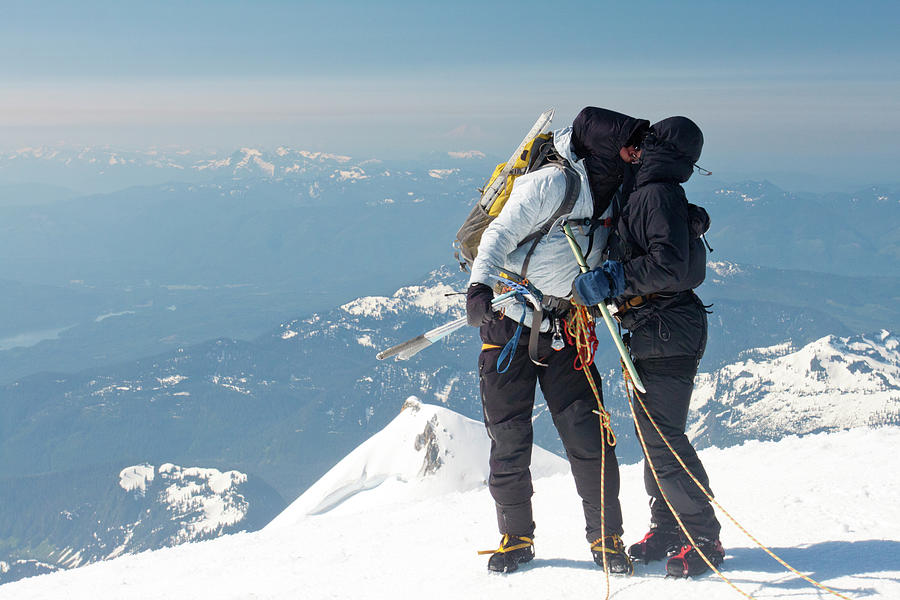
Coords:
607,318
409,348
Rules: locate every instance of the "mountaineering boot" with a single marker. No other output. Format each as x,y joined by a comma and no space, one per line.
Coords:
656,545
614,549
513,550
688,562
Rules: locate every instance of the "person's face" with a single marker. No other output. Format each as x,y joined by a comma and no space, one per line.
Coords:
630,154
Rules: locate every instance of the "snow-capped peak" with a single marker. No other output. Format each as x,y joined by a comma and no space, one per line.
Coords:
725,268
255,157
440,298
830,384
425,451
467,154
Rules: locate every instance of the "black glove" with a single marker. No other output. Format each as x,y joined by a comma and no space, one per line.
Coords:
478,305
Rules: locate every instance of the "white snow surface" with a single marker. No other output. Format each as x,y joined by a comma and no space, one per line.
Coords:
377,527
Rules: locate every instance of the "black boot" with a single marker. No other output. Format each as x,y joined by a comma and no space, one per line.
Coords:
688,562
656,545
616,559
513,550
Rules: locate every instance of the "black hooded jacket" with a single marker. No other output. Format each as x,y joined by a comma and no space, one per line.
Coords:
658,234
597,136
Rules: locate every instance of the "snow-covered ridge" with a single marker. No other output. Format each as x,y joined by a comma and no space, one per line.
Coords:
136,477
206,499
752,192
251,155
724,268
354,173
467,154
201,500
426,451
246,161
442,173
434,300
833,383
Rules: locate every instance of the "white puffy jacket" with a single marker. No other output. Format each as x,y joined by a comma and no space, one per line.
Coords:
534,199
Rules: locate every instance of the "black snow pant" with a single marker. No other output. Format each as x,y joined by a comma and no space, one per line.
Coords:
508,401
667,347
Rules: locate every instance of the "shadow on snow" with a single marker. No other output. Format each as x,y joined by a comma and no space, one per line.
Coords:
821,561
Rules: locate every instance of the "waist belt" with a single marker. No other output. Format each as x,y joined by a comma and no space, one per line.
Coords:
634,302
555,307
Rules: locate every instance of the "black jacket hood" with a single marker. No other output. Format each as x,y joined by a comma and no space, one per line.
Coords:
670,151
597,136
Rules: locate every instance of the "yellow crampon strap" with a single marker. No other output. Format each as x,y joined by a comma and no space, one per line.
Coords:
632,394
599,544
503,549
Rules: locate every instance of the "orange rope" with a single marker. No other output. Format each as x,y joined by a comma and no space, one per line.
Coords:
580,332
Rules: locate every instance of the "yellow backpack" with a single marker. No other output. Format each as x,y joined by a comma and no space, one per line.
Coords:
536,153
531,156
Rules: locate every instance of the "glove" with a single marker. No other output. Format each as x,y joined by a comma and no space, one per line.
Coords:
478,305
593,287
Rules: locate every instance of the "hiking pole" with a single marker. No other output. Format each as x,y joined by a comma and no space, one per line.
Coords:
409,348
610,324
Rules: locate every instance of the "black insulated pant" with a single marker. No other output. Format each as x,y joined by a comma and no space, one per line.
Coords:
669,380
508,402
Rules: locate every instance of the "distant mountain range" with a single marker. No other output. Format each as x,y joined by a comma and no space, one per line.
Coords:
141,327
105,169
832,383
71,519
180,263
283,408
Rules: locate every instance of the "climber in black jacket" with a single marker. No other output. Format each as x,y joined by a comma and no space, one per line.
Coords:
656,259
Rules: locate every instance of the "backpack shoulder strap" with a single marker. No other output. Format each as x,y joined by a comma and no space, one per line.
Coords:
573,188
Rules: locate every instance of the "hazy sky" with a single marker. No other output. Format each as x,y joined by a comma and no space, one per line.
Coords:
777,87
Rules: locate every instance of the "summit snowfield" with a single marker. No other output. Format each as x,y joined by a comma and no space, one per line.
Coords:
404,513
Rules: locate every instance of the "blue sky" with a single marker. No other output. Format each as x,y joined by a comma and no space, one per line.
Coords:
778,87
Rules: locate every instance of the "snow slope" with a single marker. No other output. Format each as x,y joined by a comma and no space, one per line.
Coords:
390,522
426,452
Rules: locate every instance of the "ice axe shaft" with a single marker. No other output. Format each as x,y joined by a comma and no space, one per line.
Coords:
409,348
607,318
